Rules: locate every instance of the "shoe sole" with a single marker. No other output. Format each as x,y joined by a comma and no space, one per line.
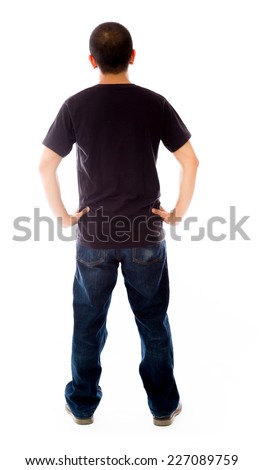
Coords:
81,421
167,421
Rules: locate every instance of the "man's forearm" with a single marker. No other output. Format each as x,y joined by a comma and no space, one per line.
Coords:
48,170
187,184
189,164
53,195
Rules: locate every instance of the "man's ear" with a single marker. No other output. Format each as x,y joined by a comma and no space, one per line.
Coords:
92,61
132,58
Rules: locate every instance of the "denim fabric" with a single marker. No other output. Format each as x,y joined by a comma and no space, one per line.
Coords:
146,279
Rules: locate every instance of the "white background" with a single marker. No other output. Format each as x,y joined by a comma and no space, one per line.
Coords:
206,57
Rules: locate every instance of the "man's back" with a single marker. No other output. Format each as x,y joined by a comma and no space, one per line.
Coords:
117,130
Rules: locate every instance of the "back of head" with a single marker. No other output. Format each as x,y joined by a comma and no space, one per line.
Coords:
111,46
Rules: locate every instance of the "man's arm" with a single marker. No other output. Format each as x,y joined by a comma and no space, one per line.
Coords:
48,170
189,163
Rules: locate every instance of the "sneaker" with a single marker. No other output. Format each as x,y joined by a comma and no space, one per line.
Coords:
167,420
89,420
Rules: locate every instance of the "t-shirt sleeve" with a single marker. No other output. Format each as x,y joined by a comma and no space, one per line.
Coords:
61,136
175,133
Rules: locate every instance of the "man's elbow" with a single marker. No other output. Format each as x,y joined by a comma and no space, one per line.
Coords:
43,168
193,161
196,161
46,170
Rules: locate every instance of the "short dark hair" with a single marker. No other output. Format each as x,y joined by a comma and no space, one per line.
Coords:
111,46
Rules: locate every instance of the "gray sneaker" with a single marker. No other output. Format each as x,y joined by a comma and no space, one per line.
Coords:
167,420
89,420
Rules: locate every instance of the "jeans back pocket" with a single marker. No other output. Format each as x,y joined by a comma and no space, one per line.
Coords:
90,256
149,254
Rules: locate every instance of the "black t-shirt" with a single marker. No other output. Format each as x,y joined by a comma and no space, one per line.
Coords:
117,130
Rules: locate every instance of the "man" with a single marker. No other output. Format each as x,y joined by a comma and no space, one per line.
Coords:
117,128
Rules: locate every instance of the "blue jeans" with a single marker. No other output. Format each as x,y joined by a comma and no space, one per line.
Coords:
146,279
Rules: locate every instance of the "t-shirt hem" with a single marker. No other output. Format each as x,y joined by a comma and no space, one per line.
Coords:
120,245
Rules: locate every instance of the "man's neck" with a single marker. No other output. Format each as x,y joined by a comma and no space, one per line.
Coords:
113,79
